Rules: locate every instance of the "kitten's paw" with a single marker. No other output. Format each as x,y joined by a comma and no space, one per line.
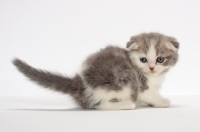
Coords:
163,103
128,106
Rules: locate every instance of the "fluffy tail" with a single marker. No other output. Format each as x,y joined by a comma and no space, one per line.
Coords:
73,86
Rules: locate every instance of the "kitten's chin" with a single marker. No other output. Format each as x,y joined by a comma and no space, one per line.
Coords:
152,73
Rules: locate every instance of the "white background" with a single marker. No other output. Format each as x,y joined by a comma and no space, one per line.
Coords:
58,35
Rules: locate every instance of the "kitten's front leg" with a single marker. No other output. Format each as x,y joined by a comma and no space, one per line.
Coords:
152,97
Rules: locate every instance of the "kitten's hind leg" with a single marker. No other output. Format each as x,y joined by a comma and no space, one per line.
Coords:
122,105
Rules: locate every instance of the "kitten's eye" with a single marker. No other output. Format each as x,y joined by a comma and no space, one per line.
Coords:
143,60
160,59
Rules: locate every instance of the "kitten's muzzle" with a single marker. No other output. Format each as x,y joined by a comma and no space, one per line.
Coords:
151,68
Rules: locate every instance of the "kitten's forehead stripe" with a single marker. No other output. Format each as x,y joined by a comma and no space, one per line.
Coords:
153,42
151,55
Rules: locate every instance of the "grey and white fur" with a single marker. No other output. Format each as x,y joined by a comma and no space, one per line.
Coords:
116,78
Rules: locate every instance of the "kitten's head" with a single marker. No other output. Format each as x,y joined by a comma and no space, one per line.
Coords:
154,53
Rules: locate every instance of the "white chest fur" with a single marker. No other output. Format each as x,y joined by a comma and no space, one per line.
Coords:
154,82
151,95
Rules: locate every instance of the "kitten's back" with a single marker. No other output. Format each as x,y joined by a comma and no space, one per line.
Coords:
110,69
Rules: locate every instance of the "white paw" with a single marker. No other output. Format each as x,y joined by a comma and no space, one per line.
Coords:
162,103
128,106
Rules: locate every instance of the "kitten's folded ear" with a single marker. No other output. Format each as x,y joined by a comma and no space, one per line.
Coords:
131,45
173,45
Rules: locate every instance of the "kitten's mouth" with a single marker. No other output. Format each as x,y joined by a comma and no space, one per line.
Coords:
152,72
149,72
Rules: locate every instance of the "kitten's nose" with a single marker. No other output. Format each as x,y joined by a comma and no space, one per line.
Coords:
151,68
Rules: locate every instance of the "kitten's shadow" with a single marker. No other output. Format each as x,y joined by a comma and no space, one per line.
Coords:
80,109
70,109
170,107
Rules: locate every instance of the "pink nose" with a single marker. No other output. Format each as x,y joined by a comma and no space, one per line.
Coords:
151,68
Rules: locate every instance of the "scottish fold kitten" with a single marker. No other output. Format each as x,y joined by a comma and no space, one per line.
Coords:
116,78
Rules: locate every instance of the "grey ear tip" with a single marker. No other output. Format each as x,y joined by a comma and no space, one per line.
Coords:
175,44
128,44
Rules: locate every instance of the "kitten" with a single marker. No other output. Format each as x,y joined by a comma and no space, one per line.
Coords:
116,78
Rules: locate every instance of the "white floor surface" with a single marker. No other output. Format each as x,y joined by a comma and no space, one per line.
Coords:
49,114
